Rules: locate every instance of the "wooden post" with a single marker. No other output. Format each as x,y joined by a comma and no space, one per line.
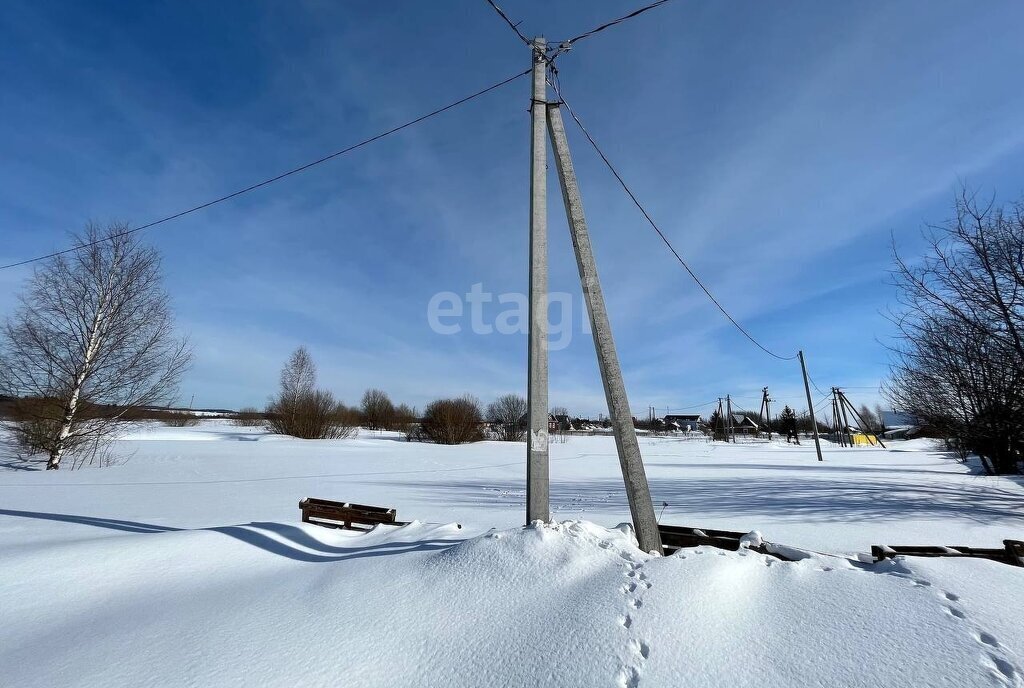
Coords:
637,490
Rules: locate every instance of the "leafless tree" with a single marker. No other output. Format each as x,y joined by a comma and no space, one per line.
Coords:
92,339
378,411
871,421
959,360
507,414
302,411
298,378
880,415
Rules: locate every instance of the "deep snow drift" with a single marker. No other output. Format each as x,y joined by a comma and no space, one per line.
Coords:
187,566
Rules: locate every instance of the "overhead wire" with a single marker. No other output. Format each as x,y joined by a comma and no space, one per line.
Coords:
687,408
271,180
661,234
815,385
613,22
513,26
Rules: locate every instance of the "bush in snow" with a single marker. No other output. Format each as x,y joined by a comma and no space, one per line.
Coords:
181,420
453,421
249,417
405,420
314,415
302,411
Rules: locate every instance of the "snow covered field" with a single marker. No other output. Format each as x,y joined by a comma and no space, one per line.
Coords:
187,566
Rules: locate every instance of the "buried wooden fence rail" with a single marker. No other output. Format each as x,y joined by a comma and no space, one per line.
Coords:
1011,553
362,517
674,538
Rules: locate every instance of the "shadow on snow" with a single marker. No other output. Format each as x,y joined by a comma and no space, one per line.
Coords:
820,499
283,540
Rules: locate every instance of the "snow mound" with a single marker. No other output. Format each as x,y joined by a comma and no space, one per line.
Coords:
568,604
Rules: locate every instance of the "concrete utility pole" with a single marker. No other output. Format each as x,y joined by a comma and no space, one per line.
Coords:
729,420
537,489
637,490
835,418
810,406
860,420
846,421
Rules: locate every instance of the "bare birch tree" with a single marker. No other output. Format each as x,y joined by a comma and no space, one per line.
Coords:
92,339
298,375
302,411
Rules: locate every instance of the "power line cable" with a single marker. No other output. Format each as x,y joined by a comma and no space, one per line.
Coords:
278,177
815,385
661,234
513,26
687,408
611,23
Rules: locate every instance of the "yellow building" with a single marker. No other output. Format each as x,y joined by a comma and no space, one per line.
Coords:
863,439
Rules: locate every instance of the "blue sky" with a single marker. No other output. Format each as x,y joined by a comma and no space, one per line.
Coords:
779,145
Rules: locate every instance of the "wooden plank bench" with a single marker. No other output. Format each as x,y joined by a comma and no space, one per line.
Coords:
323,512
674,538
1011,553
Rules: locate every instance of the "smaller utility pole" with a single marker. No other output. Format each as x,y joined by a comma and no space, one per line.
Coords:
835,419
728,413
846,421
810,405
765,413
867,431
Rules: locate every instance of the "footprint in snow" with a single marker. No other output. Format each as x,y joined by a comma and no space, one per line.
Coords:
987,639
1004,669
640,648
628,677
